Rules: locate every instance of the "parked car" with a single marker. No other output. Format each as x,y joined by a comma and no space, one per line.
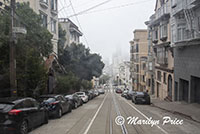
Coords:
92,93
89,94
74,100
57,105
141,98
83,96
101,91
130,94
118,90
19,115
124,93
96,92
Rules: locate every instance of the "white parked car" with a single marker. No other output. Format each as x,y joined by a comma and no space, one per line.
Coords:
83,96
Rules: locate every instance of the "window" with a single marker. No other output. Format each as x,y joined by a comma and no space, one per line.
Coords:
44,19
164,78
54,5
150,66
162,56
144,66
155,34
28,104
182,33
198,23
163,31
136,48
149,82
45,1
173,36
159,76
53,25
173,3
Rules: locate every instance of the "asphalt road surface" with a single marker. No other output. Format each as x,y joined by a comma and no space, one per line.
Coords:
99,116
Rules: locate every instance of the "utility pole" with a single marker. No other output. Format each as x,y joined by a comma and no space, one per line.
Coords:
13,81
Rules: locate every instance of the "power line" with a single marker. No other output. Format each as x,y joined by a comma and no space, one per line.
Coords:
91,8
114,7
79,23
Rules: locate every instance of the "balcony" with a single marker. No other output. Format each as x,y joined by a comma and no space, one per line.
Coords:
44,3
54,12
162,12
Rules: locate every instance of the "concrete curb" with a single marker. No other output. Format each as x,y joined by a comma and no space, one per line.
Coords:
177,113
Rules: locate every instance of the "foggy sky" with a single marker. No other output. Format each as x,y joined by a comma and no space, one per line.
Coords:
108,30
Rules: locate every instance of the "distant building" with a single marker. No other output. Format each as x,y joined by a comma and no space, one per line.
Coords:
138,54
124,74
186,42
73,33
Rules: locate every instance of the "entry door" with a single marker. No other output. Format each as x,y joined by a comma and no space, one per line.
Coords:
158,88
170,87
185,89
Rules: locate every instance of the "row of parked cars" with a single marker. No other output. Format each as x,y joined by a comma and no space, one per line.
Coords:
20,115
135,96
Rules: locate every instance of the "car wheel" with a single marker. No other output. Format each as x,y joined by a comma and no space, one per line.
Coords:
24,127
70,109
136,102
59,113
75,105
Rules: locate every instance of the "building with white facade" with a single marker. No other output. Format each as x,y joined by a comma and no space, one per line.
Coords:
73,33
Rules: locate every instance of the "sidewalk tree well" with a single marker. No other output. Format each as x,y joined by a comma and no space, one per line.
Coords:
31,49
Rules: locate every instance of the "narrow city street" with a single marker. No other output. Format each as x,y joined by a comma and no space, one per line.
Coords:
98,117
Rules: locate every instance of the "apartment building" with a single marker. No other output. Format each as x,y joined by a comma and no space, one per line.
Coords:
48,9
73,33
186,42
160,28
124,74
150,64
138,54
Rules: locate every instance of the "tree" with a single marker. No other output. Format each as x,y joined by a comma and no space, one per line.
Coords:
30,52
104,79
79,60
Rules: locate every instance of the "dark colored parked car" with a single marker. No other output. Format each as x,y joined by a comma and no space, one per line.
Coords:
124,94
118,90
19,115
141,98
57,105
74,100
130,94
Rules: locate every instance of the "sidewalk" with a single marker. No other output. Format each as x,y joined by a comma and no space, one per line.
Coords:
191,111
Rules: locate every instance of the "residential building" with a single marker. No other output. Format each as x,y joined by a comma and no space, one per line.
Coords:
48,10
124,74
186,42
138,57
150,73
160,26
73,33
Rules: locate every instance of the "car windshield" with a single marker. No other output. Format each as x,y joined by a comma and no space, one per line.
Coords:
80,93
6,106
47,99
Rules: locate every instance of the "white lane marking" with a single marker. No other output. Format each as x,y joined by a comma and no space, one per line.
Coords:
145,116
86,131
